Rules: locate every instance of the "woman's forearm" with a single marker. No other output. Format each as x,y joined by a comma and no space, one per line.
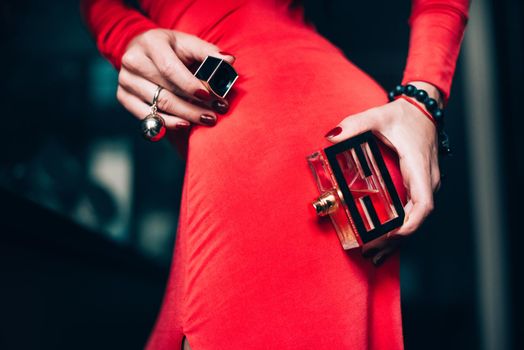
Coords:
113,25
437,30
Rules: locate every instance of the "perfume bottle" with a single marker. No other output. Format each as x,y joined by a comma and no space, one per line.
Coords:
356,190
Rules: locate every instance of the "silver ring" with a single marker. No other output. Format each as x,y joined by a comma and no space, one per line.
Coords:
155,96
153,125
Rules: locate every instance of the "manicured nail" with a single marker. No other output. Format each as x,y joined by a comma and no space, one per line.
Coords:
378,260
181,125
202,94
226,54
370,252
208,119
220,106
333,132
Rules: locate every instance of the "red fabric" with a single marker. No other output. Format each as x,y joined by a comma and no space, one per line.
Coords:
113,25
252,268
437,29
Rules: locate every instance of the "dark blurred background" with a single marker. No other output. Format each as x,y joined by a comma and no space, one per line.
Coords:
89,210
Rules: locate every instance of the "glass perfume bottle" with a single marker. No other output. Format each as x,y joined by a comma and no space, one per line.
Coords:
356,190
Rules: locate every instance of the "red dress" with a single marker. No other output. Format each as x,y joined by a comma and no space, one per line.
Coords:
252,268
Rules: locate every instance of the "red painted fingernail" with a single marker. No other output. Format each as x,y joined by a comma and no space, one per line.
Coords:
181,125
220,106
378,260
334,132
370,252
202,94
226,54
208,119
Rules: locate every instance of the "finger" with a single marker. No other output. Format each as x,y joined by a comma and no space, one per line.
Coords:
353,125
437,187
421,193
190,48
173,69
142,65
167,101
435,178
393,233
137,63
379,258
140,109
371,248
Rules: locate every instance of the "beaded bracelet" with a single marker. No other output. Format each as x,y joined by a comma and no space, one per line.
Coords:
432,111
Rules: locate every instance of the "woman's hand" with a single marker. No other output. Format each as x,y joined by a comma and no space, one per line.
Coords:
162,57
404,128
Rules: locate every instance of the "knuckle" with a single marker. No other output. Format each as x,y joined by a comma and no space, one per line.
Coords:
149,36
122,79
167,69
428,207
149,33
169,36
408,229
122,97
436,177
438,183
414,225
183,37
130,58
119,94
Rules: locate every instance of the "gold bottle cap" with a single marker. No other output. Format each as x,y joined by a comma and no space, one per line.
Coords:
325,204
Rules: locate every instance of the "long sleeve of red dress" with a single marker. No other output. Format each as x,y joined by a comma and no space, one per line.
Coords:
113,25
437,29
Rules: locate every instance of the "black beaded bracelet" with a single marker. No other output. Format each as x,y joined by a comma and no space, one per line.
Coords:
431,106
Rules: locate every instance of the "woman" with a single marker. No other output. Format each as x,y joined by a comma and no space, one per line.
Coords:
252,268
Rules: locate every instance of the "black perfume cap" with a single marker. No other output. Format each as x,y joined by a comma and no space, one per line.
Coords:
218,74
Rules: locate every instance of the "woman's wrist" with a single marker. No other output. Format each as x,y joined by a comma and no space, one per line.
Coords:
425,96
429,100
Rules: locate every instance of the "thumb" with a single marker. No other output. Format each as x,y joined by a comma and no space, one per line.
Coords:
353,125
191,48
